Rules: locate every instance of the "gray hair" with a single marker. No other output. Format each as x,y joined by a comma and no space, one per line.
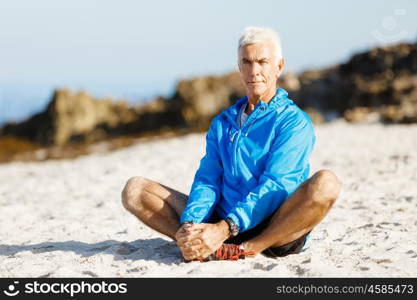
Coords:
251,35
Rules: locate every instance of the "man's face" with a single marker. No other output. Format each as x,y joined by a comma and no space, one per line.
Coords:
259,68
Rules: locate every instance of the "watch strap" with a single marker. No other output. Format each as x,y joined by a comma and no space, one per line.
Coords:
234,229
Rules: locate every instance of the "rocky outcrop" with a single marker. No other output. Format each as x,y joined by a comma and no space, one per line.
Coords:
200,99
73,117
380,84
385,80
78,117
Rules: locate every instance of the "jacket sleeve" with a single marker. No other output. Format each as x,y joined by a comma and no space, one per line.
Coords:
286,168
205,190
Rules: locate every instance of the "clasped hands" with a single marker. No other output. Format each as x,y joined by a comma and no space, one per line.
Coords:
198,240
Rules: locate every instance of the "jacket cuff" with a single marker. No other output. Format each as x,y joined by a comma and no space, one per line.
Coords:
187,218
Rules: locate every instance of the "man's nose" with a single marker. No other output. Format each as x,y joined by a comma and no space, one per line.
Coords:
254,69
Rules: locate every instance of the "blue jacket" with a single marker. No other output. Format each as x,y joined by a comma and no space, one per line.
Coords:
248,173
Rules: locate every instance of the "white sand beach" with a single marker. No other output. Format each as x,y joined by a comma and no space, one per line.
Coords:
65,218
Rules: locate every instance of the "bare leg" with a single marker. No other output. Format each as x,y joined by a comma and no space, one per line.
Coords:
156,205
306,207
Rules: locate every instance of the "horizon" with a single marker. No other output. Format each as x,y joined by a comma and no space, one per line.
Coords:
145,50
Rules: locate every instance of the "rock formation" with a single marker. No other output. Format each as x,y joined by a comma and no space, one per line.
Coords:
78,117
202,98
382,81
380,84
71,117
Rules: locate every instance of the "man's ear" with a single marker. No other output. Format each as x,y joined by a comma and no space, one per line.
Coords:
281,64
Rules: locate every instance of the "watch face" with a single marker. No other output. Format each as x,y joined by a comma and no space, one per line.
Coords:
233,227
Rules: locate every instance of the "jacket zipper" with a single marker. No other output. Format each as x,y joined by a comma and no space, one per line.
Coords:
252,121
235,136
232,139
234,154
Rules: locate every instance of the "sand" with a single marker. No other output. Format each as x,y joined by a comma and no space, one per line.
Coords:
65,218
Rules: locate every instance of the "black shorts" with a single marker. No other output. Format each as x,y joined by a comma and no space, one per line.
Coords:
293,247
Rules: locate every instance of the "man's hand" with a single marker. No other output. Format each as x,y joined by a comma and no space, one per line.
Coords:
198,241
187,242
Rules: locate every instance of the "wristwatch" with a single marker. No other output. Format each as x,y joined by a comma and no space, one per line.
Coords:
234,229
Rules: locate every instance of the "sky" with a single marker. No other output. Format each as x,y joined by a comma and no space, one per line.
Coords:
136,50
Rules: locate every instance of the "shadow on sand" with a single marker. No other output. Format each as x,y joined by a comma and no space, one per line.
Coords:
155,249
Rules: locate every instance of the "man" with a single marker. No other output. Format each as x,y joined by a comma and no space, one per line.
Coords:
251,193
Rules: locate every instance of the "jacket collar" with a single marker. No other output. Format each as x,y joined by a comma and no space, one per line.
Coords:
279,99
